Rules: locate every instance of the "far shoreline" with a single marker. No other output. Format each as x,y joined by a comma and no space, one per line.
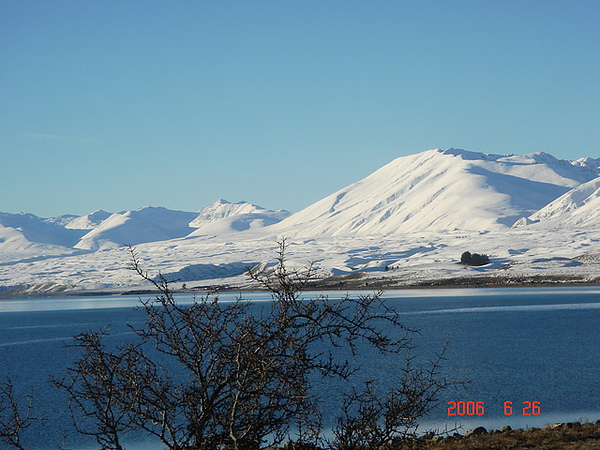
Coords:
354,282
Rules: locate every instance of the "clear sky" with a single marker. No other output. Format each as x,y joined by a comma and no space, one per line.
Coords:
116,105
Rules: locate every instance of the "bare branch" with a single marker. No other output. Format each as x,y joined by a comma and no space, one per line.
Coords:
223,375
13,419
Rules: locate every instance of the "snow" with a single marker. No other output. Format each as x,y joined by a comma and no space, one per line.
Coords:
135,227
223,217
440,190
222,209
405,224
89,221
579,206
34,229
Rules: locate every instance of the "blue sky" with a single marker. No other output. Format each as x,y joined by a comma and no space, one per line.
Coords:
120,104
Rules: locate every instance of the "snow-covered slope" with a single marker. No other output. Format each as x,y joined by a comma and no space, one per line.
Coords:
27,234
14,246
151,224
441,190
135,227
580,206
222,209
591,163
26,237
35,229
89,221
223,217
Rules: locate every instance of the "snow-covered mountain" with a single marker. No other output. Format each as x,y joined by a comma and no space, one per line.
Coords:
27,227
151,224
223,217
442,190
29,234
590,163
147,224
87,222
580,206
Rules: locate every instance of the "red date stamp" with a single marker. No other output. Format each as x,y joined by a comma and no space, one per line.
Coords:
478,408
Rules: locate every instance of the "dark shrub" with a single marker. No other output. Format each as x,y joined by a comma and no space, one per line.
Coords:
474,259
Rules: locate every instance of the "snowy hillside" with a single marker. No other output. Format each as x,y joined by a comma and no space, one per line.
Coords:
135,227
27,234
32,229
580,206
590,163
223,217
222,209
441,190
89,221
151,224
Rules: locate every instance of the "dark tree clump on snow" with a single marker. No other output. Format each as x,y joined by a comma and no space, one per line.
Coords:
474,259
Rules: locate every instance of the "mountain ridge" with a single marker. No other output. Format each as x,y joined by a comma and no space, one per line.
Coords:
439,190
100,230
405,224
580,206
434,190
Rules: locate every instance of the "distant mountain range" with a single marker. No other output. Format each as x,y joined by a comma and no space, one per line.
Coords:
435,190
101,230
406,224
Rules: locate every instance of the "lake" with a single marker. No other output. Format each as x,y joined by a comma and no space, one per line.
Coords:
513,345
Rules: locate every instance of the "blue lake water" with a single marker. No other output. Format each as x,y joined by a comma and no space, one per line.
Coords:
518,345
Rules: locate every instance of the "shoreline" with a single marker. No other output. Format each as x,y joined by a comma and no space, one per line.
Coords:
353,282
566,435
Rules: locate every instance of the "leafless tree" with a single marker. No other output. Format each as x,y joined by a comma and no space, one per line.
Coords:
223,375
14,419
105,387
372,420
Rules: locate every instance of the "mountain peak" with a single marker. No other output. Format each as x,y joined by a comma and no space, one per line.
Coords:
441,190
89,221
543,157
471,156
147,224
579,206
223,217
223,209
222,201
590,163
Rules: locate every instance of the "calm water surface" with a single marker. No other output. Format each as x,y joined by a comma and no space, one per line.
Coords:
517,345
